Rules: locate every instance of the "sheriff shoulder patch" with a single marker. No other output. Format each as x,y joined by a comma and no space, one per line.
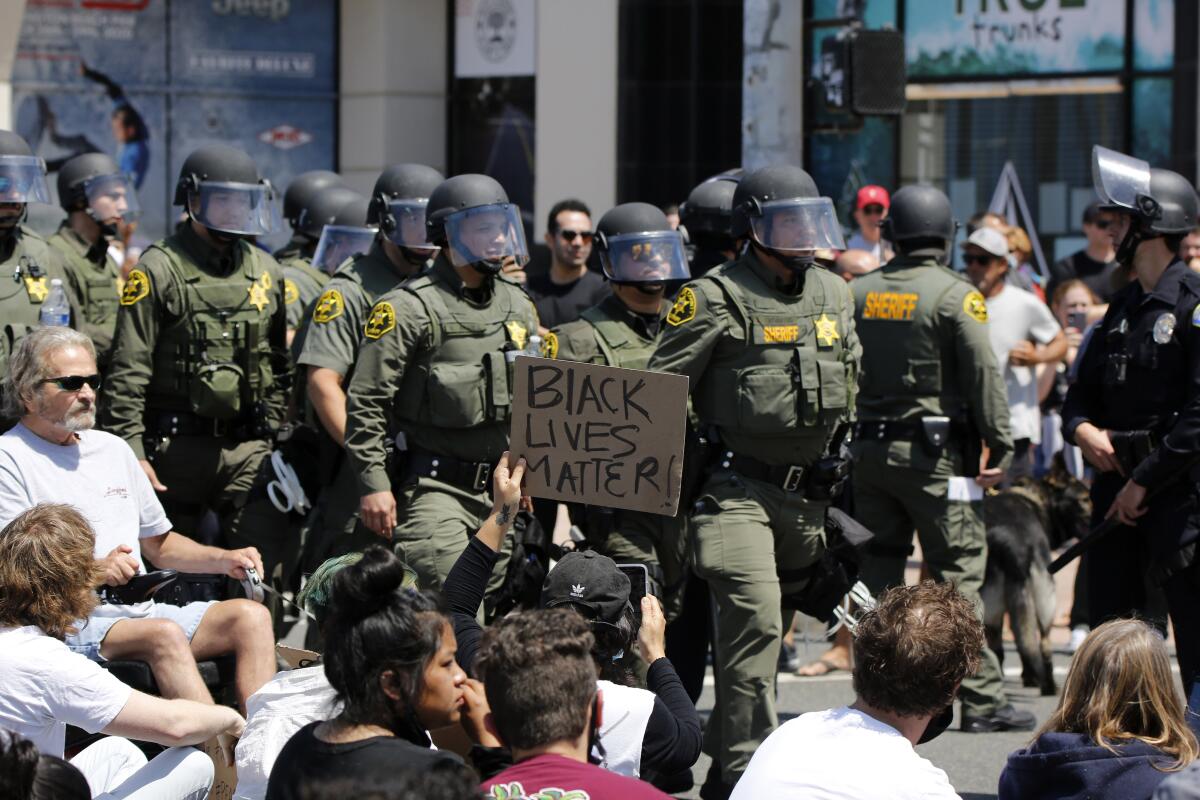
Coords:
975,306
329,307
550,345
684,309
382,320
137,286
290,293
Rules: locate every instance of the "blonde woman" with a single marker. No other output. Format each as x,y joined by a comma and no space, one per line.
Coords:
1119,728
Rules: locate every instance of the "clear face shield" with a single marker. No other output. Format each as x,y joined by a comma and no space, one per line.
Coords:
340,242
486,237
798,227
244,209
23,180
112,199
1119,179
410,229
649,257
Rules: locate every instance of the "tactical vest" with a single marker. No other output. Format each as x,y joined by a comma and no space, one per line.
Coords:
619,345
214,359
463,379
21,296
791,369
897,323
99,295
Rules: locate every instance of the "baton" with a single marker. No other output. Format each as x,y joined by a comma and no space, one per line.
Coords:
1089,539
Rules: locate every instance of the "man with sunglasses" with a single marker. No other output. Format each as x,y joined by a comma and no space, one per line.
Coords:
331,337
569,287
24,256
870,208
1023,333
98,199
1095,263
640,254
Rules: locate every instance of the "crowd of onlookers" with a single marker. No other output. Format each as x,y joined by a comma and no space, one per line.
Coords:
410,696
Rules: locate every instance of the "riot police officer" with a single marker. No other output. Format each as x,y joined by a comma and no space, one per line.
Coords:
640,255
296,198
398,250
302,279
769,345
1132,409
97,198
23,254
433,376
706,216
930,393
199,376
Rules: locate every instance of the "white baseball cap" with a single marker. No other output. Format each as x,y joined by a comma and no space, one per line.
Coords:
989,240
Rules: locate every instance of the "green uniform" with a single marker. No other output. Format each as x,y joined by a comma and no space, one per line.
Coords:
94,277
32,263
926,354
302,285
773,370
331,338
611,334
432,367
198,383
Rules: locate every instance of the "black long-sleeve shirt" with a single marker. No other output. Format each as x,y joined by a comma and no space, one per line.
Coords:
672,739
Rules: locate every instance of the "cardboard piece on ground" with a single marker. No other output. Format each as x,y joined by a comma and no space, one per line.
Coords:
295,657
225,777
599,435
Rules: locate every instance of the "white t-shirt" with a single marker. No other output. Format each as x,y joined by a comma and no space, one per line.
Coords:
626,712
44,687
1015,316
840,754
100,476
859,242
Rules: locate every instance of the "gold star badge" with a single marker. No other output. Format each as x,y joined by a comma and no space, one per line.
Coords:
826,330
37,289
518,333
258,295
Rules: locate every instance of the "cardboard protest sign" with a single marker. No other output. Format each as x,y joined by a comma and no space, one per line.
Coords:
224,775
600,435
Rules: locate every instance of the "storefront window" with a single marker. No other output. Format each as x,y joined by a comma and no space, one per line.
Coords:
1153,34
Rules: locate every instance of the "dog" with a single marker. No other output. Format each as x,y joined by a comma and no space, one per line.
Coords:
1024,522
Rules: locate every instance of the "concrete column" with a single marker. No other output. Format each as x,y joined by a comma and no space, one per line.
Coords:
393,87
576,101
11,11
772,92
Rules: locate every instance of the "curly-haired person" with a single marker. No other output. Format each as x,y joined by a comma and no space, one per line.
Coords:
910,654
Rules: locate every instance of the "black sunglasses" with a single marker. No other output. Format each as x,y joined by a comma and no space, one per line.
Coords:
73,383
981,260
1102,224
570,235
873,209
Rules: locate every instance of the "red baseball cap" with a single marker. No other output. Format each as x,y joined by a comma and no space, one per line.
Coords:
872,195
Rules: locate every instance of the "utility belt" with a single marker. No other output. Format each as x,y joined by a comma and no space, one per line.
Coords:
185,423
473,476
1132,447
817,481
932,434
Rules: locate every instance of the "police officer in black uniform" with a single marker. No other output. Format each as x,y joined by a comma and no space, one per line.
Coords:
1135,407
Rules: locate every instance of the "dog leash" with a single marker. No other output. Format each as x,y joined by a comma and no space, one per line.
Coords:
256,590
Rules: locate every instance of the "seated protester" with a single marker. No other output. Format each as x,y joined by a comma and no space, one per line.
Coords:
54,455
910,655
25,774
540,679
389,655
651,733
403,784
1119,729
46,577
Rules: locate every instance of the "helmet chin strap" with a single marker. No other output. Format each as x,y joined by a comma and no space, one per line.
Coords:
488,267
797,264
1129,245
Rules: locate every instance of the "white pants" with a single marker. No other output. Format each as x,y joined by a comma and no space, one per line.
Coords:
117,770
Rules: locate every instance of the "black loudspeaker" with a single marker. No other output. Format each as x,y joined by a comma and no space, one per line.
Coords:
864,72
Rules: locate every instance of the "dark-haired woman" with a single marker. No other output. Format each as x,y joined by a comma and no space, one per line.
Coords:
390,656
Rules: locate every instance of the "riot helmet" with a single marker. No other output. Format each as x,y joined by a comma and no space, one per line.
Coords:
470,216
919,214
708,211
93,182
22,174
300,194
220,188
1157,202
637,246
398,204
780,209
346,235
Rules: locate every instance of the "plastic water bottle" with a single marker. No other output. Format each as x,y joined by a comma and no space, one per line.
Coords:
55,308
534,346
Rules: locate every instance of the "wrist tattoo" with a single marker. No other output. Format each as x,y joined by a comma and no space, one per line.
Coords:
504,515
